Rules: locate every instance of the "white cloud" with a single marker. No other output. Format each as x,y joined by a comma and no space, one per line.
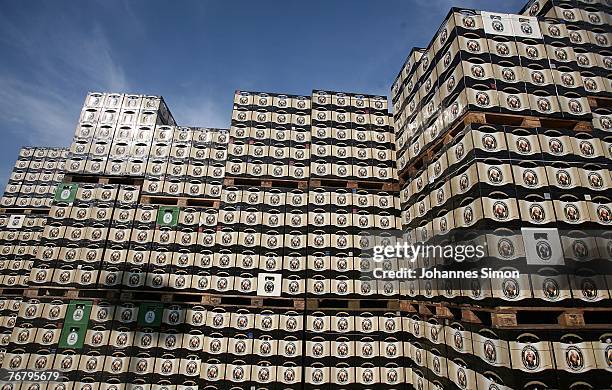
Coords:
86,60
43,98
48,117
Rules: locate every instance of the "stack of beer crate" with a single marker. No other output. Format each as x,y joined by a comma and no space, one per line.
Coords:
340,186
179,258
115,134
142,277
186,162
502,129
25,206
34,177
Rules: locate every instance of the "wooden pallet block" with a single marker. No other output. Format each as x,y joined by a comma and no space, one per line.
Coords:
584,126
407,306
504,320
391,187
571,319
473,118
210,300
531,122
158,199
125,296
299,304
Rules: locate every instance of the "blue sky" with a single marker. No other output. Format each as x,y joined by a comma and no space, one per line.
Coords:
196,54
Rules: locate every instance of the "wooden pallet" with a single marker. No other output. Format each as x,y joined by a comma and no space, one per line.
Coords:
162,296
567,318
265,182
515,317
389,186
356,304
103,179
211,299
180,201
257,301
71,293
25,210
526,121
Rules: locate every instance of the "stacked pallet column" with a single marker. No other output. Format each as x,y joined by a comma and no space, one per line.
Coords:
500,142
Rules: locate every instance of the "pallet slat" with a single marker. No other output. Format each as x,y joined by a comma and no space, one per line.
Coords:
352,304
389,186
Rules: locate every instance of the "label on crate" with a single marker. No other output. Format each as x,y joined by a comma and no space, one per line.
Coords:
269,285
526,26
78,312
15,221
497,24
73,336
167,216
66,192
542,246
150,314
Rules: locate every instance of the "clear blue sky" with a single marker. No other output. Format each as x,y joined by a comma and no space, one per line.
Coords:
195,54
